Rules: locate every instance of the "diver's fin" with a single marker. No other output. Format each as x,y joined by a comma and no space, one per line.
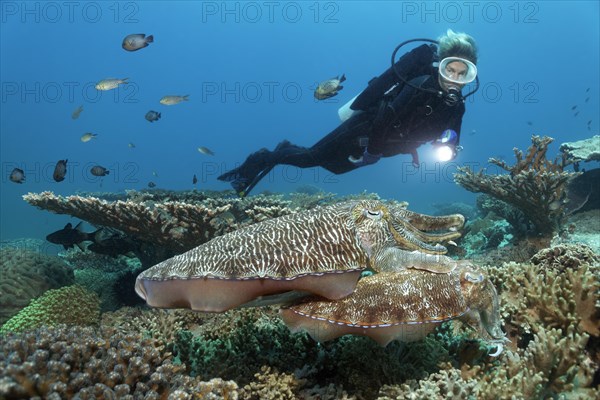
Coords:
246,192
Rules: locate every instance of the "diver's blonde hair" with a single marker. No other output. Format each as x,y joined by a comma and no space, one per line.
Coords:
457,44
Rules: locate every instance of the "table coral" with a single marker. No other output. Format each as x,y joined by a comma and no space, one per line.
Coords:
166,227
27,274
534,185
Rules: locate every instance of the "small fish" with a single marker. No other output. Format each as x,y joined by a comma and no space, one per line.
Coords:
152,116
110,83
131,145
587,90
98,170
151,184
473,132
86,137
172,100
60,170
18,176
69,236
76,113
587,99
590,122
194,180
529,123
137,41
573,108
329,88
206,150
154,173
576,113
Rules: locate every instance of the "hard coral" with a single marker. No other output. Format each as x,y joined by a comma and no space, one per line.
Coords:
72,305
162,226
27,274
534,185
74,362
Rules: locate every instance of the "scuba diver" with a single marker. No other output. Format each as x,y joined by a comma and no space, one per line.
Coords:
417,100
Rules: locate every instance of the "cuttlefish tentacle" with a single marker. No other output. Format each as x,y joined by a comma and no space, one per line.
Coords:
406,238
426,222
393,259
424,236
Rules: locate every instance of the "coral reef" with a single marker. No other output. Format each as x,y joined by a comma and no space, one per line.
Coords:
165,227
534,185
27,274
72,362
72,305
582,150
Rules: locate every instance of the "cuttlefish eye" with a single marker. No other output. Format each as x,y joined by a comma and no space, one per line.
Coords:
474,277
373,213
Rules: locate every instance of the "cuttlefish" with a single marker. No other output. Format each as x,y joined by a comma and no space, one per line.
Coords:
321,251
404,305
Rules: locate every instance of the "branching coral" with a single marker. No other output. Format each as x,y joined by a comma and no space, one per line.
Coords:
555,295
534,185
272,385
554,363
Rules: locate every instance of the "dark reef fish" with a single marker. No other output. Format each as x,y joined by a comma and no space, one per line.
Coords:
115,245
69,236
18,176
152,116
60,170
98,170
137,41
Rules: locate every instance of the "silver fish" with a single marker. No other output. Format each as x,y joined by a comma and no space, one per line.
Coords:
110,83
172,100
86,137
206,150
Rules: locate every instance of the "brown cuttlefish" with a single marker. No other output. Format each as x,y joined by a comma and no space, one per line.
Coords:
321,251
403,305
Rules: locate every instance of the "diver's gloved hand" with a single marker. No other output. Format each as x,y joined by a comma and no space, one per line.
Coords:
366,159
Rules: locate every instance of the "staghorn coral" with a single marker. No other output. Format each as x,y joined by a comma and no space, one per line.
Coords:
27,274
445,384
550,294
68,305
77,362
272,385
160,325
554,363
534,185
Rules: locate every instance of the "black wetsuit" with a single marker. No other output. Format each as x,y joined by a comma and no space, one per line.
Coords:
418,117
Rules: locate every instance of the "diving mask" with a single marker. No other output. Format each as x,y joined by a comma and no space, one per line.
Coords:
457,70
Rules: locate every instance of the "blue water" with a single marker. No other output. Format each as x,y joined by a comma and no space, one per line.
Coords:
250,69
